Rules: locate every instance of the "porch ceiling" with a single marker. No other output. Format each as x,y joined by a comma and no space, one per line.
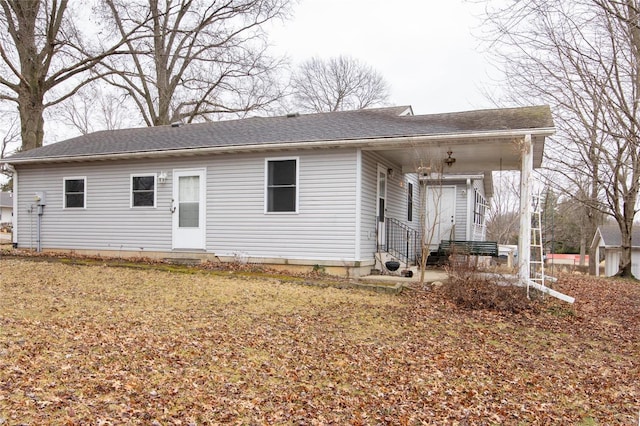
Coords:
471,155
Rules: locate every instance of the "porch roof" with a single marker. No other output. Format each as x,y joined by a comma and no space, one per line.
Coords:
479,140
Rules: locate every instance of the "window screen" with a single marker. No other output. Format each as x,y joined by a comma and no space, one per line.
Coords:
281,185
74,192
143,191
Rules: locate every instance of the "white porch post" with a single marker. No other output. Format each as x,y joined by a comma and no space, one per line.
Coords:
470,215
524,240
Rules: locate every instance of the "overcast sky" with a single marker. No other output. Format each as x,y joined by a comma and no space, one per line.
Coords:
425,49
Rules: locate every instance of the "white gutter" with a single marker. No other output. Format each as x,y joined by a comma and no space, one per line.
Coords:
380,143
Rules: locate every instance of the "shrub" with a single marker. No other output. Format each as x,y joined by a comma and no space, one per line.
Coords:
471,290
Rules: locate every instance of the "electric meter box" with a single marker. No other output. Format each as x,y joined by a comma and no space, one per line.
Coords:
40,198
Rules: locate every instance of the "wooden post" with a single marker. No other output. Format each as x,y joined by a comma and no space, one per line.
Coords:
524,240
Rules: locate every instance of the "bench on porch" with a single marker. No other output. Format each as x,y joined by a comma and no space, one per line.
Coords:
475,248
461,247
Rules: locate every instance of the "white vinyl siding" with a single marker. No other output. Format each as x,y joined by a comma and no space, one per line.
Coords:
323,229
6,215
107,223
396,201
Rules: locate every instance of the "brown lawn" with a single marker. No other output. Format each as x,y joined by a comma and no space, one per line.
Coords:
106,345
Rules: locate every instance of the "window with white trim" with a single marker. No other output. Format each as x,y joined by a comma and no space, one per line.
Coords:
281,185
479,208
143,190
75,192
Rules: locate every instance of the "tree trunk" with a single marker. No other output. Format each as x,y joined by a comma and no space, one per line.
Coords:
583,248
624,270
626,233
31,110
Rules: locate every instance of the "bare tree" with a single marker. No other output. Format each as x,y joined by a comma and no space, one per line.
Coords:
583,58
9,143
502,216
10,138
44,59
96,108
198,59
337,84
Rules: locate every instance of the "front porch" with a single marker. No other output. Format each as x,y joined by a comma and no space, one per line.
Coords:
474,151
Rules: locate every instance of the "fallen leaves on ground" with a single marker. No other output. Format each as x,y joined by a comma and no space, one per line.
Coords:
105,345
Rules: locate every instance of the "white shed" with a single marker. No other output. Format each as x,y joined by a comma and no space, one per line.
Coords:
609,239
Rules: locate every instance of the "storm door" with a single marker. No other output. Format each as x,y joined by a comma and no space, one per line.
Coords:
189,209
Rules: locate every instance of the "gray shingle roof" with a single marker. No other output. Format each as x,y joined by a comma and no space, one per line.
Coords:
335,126
611,236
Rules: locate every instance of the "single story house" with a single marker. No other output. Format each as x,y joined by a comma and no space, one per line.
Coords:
6,209
609,239
321,189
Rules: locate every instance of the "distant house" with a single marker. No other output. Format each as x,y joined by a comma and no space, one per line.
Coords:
609,239
330,189
6,209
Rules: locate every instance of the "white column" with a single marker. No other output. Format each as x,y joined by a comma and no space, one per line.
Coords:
14,214
470,206
524,240
357,254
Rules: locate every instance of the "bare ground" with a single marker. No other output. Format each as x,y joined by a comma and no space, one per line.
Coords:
108,345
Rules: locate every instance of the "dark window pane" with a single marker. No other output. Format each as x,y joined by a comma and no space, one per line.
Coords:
74,185
142,199
189,215
282,172
282,200
410,202
143,183
143,191
74,200
74,193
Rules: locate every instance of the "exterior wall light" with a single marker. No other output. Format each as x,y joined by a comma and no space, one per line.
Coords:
449,160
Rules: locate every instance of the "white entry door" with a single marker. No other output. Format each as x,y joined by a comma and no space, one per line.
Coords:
189,209
381,207
441,213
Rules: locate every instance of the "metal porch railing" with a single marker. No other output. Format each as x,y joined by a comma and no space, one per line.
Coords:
402,241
